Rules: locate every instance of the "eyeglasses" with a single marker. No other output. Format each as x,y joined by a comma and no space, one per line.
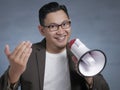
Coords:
54,27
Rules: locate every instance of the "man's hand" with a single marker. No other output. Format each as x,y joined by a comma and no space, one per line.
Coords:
89,81
18,60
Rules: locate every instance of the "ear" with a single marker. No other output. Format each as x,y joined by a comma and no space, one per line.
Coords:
41,30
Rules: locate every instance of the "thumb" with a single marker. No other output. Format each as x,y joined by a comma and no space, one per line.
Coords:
7,50
75,60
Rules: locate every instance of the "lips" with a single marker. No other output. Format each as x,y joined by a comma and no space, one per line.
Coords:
61,38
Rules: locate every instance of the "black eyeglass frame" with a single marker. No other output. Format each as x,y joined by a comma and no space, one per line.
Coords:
55,27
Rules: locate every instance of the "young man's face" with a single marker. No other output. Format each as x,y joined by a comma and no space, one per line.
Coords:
56,40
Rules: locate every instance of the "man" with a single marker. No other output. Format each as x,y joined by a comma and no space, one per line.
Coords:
47,65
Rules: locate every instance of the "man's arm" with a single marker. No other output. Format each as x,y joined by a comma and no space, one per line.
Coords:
4,83
18,60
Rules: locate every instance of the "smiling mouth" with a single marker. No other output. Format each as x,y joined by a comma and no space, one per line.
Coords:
61,38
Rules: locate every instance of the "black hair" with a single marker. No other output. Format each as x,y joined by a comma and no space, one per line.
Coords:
48,8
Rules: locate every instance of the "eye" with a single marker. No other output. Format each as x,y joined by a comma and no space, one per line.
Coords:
52,26
66,24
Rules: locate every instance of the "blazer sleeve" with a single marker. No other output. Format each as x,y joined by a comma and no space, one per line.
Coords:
4,82
100,83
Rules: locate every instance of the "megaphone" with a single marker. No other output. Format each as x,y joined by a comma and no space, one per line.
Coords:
89,62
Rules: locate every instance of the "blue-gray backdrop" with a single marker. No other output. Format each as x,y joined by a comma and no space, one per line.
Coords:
95,22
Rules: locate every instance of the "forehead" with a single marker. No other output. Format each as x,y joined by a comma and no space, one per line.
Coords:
56,17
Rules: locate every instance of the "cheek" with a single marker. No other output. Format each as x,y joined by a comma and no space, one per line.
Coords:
69,32
49,36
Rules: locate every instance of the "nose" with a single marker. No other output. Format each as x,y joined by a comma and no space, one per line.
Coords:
60,30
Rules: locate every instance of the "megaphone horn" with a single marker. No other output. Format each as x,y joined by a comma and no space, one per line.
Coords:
90,62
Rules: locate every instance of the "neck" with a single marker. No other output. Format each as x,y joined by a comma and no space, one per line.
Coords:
55,50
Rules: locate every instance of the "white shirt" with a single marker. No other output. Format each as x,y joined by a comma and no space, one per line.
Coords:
57,72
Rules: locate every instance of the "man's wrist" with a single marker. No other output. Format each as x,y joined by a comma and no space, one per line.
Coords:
12,76
11,86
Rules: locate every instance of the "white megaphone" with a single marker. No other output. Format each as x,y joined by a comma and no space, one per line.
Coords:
89,62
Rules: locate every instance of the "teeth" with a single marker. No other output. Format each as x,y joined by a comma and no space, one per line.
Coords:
60,38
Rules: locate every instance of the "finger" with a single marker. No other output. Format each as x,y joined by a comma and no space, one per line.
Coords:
7,50
26,50
16,50
75,60
27,45
26,55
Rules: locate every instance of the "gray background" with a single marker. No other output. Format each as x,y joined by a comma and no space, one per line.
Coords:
95,22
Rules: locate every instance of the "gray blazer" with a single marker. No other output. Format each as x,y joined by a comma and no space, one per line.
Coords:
33,77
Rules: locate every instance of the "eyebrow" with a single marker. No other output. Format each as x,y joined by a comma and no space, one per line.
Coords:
58,24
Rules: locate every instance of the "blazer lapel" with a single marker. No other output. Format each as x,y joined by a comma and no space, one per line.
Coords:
41,66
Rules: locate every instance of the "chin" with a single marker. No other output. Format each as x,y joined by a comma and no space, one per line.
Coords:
62,45
61,48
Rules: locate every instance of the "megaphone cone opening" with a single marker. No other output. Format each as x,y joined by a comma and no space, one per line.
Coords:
92,69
